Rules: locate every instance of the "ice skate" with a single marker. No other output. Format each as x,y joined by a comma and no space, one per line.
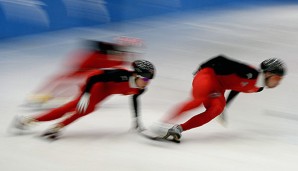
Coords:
52,133
175,133
20,125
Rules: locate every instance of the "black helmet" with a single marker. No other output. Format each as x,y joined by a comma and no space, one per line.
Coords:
144,68
274,65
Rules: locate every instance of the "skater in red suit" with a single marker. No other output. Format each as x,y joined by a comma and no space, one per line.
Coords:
100,84
64,86
211,81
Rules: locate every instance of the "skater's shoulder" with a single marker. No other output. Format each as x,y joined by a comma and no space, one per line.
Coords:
120,71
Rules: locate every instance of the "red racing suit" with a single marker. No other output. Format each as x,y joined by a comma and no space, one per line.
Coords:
210,82
100,84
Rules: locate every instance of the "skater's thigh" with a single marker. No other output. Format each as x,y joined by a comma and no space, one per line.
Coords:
203,85
215,103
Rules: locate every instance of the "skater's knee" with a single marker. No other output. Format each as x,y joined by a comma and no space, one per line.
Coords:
215,110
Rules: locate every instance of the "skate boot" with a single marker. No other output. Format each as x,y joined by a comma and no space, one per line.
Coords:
52,133
175,132
20,125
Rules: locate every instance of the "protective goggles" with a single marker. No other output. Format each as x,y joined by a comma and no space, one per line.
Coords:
143,78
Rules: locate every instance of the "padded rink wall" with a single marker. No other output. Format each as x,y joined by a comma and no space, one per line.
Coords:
23,17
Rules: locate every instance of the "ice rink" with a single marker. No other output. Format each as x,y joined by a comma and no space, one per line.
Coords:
262,128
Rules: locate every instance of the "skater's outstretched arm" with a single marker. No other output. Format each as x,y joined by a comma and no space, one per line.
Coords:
135,102
231,96
222,118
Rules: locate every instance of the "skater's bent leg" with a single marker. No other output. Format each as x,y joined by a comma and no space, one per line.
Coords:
97,95
75,116
215,107
57,113
53,132
189,105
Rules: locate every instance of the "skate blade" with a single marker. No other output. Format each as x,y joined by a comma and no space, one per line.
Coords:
50,136
159,138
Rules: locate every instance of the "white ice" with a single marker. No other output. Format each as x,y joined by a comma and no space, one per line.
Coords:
262,127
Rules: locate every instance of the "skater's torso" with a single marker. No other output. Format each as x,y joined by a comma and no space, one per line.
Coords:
117,81
233,75
120,88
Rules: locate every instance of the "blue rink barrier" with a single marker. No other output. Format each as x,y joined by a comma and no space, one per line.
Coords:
22,17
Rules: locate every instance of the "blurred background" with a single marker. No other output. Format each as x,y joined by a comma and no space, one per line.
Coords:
23,17
42,40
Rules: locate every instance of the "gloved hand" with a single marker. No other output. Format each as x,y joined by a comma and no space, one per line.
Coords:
222,119
137,125
83,103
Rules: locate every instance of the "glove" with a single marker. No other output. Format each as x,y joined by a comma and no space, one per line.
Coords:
83,103
222,119
137,125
